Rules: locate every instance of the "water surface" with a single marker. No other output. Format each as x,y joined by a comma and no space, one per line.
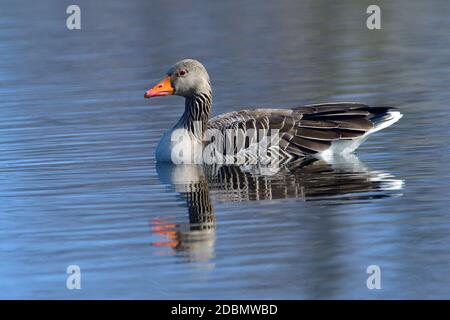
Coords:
80,184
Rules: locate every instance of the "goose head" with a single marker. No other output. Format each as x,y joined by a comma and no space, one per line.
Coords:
187,78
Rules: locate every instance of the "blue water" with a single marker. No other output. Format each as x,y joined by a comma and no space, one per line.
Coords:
80,186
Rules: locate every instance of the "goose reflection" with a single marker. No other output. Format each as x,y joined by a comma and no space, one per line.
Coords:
341,179
197,237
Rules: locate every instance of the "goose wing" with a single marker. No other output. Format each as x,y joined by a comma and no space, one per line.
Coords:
307,129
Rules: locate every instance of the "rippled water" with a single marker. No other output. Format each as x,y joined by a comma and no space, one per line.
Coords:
80,184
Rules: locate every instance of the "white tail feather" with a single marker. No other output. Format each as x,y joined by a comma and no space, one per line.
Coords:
348,146
390,118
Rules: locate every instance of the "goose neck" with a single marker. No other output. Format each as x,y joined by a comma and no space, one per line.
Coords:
196,114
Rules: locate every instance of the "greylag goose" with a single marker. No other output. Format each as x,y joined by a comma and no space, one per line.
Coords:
310,130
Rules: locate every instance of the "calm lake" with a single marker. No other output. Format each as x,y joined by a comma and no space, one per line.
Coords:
80,185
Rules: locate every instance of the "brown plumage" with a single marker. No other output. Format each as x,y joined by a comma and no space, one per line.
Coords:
302,131
308,129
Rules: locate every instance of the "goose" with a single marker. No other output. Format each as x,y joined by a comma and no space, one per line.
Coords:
318,130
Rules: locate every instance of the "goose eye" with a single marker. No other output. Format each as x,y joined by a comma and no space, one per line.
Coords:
182,72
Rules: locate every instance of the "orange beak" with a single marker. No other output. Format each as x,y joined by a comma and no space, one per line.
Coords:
163,88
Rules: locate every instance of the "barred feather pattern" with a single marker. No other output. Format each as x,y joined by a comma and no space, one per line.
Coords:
302,131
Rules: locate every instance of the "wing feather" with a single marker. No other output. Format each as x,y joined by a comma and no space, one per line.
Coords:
307,129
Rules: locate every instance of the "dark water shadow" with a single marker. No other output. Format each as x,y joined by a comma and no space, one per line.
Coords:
337,181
